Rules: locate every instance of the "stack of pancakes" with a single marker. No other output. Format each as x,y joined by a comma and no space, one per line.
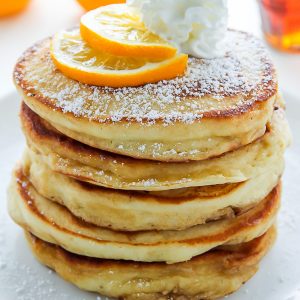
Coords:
164,191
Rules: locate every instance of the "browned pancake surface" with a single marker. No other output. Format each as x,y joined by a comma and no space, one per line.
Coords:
217,88
209,276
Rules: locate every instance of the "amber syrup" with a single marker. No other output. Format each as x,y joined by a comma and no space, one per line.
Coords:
281,23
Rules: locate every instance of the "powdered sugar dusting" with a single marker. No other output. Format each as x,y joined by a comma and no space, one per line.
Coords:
244,73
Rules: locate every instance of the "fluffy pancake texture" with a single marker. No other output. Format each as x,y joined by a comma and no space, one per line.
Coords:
55,224
208,276
218,106
137,210
158,192
66,156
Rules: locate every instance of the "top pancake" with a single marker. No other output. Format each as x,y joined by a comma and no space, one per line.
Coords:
219,105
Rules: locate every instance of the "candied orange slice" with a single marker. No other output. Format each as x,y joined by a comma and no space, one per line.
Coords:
77,60
92,4
119,30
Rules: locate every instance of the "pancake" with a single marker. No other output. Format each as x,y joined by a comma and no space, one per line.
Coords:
208,276
137,210
219,105
68,157
55,224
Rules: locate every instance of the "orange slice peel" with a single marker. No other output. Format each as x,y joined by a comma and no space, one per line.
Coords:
77,60
119,30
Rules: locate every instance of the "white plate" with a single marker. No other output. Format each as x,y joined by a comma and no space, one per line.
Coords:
22,278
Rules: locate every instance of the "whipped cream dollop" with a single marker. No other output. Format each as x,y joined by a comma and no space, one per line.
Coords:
195,27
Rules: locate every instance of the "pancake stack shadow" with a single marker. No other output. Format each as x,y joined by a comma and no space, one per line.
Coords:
166,191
